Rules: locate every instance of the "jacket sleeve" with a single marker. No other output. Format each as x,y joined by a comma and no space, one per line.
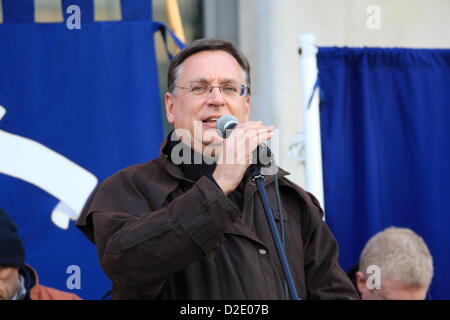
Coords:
325,278
139,248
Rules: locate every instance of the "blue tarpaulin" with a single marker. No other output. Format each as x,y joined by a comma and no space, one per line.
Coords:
80,105
385,126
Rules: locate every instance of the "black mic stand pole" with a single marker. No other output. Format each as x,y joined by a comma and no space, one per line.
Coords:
258,179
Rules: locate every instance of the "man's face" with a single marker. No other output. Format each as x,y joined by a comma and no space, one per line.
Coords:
9,280
198,114
390,290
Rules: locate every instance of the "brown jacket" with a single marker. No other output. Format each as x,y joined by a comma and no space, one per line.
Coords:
161,236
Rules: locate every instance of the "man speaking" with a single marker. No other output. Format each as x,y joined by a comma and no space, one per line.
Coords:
190,224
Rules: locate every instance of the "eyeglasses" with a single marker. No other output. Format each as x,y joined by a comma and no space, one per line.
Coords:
203,89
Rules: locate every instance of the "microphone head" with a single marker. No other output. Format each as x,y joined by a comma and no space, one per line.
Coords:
226,122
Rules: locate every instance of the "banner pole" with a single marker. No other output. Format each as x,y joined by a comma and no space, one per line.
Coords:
174,18
310,94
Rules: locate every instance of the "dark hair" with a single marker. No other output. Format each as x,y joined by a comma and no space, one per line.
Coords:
206,45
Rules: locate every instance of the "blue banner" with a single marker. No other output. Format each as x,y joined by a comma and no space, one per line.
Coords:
78,104
386,152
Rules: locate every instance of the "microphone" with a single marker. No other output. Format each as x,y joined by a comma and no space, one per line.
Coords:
227,122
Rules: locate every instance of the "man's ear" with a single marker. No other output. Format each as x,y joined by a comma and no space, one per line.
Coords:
169,107
247,107
361,282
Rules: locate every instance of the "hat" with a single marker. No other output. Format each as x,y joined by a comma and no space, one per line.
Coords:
11,249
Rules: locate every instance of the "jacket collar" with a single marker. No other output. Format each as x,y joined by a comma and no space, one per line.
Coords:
30,279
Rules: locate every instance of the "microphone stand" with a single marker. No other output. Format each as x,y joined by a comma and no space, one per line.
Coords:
258,179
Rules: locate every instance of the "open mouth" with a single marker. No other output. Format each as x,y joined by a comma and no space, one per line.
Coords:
210,120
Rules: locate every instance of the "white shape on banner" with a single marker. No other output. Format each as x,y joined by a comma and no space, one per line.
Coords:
33,162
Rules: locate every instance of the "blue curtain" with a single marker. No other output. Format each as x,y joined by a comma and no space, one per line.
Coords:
87,102
386,152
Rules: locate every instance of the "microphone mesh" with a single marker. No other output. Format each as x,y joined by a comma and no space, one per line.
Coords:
226,122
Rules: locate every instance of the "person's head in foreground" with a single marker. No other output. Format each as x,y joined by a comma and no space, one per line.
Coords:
401,261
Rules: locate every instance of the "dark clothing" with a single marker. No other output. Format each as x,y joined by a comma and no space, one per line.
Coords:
352,276
29,277
160,235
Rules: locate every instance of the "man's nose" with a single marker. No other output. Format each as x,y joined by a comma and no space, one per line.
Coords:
215,96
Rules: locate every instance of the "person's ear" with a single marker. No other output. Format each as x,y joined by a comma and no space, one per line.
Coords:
361,283
170,106
247,107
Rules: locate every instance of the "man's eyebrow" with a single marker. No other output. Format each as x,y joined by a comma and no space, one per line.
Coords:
205,80
228,81
199,80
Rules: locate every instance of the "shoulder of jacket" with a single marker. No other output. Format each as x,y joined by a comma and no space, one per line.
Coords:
148,172
148,167
309,199
40,292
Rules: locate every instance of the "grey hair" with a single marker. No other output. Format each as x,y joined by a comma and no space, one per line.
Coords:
401,255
